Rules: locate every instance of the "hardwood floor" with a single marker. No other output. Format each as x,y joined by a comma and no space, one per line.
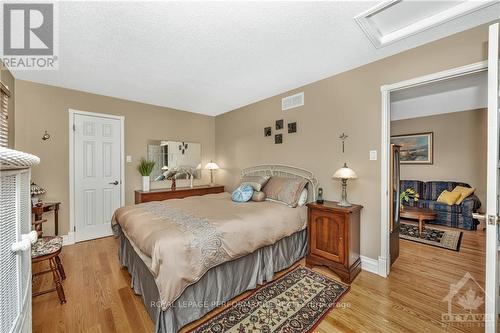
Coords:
99,297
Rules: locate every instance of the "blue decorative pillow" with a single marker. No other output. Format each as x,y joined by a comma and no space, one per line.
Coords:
243,193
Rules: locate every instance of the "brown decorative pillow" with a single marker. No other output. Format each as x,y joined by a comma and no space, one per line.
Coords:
284,190
257,182
258,196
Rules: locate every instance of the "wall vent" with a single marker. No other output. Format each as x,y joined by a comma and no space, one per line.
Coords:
292,101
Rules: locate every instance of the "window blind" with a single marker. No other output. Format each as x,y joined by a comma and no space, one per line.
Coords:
4,115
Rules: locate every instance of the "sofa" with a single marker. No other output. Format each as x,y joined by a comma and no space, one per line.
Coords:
456,216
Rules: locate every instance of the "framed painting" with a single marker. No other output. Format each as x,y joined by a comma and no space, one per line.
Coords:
415,148
279,124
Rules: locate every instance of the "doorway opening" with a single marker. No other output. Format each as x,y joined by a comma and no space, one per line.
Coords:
402,97
434,180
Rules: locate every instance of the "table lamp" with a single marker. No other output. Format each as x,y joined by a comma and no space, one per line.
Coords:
211,166
344,174
35,191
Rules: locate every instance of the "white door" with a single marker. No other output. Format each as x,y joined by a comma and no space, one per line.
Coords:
97,174
492,235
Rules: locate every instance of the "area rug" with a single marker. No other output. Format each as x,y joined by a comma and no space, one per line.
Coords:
446,239
294,303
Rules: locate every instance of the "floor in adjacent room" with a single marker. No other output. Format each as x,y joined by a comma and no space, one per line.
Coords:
99,297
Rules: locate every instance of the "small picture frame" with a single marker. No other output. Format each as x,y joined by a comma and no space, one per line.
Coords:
279,124
292,127
278,139
267,131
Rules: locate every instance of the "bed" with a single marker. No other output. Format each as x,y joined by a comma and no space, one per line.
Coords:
188,256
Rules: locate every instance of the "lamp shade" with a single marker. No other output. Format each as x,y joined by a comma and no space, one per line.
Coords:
345,173
211,166
36,190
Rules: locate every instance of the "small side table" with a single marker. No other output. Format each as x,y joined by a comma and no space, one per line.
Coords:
420,214
46,207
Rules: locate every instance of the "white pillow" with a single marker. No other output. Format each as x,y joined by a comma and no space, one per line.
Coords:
303,198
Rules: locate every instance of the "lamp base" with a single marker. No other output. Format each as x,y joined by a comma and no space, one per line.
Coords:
211,178
344,203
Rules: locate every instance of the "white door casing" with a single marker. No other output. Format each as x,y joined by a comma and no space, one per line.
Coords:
97,172
491,281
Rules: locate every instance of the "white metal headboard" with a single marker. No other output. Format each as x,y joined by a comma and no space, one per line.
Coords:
285,171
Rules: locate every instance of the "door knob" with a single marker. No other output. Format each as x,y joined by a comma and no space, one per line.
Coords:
114,183
480,217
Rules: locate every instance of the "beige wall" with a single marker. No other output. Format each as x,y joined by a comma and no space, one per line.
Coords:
41,107
348,102
8,80
460,142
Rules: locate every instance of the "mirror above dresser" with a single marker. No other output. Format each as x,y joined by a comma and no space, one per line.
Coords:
178,158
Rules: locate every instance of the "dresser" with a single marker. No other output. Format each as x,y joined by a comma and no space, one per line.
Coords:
178,193
334,238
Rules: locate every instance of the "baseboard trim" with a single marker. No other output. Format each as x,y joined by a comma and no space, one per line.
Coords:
69,239
369,264
382,266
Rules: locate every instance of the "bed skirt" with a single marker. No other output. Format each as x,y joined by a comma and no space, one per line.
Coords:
219,285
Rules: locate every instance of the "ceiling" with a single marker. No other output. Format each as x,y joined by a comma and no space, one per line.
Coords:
213,57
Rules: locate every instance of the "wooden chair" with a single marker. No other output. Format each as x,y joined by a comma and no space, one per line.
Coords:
49,248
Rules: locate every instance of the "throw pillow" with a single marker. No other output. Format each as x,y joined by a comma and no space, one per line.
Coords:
448,197
257,182
464,193
258,196
242,194
284,190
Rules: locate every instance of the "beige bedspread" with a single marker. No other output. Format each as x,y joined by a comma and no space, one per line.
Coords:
186,237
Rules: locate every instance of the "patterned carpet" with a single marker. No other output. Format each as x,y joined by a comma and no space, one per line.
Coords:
294,303
446,239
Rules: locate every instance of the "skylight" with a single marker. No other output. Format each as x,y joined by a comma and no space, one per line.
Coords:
393,20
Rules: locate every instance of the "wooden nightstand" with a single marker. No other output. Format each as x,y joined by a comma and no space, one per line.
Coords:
334,238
